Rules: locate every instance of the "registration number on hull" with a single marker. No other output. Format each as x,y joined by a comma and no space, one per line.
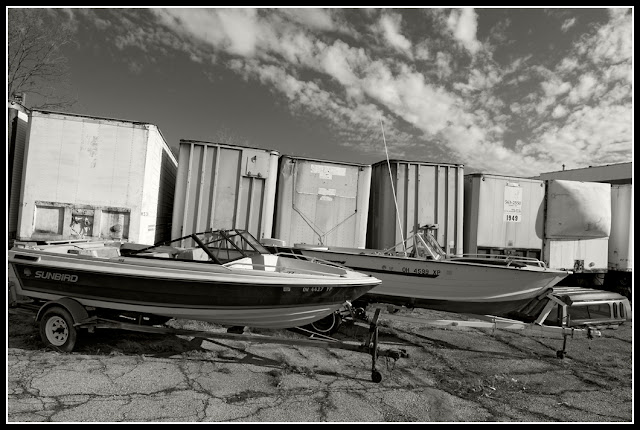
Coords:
425,272
316,289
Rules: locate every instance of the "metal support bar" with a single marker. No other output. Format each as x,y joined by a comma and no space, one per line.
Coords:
205,249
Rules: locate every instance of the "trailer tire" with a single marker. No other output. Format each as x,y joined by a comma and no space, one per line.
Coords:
57,330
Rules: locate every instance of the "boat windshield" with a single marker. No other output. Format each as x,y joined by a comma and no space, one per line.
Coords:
218,246
230,245
426,245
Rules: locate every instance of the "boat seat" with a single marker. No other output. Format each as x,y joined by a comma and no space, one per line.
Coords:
195,254
266,262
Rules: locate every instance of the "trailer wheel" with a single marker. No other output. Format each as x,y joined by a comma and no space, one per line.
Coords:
57,330
376,376
327,325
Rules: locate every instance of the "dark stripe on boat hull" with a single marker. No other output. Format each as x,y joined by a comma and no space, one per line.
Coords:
192,294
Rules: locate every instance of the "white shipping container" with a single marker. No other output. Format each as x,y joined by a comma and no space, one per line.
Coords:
322,202
620,240
17,134
88,177
577,210
221,186
503,215
578,255
577,225
426,193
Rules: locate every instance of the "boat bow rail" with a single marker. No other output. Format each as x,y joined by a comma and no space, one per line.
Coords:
503,260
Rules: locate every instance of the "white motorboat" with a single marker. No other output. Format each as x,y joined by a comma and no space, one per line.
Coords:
226,277
424,276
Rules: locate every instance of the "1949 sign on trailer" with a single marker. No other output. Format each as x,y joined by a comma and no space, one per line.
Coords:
512,203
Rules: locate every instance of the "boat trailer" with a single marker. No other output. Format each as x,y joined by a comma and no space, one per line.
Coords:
59,321
563,312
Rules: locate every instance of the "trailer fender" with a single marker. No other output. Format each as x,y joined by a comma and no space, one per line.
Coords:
77,311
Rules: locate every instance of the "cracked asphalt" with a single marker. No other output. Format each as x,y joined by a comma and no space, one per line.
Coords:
465,375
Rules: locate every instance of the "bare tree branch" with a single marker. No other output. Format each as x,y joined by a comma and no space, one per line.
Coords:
36,64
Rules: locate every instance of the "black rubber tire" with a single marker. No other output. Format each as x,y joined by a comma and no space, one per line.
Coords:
57,330
327,325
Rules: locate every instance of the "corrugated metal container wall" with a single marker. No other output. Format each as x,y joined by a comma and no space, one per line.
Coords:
92,177
160,174
503,215
620,242
577,226
322,202
427,193
224,186
18,123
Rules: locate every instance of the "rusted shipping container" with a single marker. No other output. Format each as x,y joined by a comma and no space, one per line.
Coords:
427,193
89,177
18,123
224,186
577,225
503,215
322,202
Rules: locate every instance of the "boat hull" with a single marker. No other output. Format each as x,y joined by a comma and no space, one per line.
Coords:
190,290
448,285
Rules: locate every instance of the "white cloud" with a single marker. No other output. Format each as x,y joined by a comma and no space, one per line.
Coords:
295,47
586,136
443,65
486,78
559,111
584,90
311,18
464,24
422,51
390,25
239,26
338,61
234,30
567,24
555,87
613,43
568,65
469,116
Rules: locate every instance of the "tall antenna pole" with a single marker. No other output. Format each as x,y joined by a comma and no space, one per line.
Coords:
393,189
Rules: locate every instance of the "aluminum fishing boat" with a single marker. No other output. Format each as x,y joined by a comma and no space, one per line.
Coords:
424,276
223,276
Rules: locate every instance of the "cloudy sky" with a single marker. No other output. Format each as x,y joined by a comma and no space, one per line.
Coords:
507,91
